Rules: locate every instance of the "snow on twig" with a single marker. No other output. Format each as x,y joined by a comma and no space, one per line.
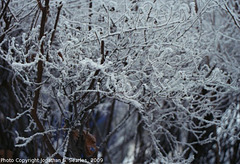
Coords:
27,140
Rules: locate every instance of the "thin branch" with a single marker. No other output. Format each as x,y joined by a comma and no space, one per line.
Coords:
109,127
196,6
4,9
39,80
40,4
125,118
198,16
97,71
100,137
234,19
56,22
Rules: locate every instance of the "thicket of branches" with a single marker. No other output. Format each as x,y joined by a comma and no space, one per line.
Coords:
127,81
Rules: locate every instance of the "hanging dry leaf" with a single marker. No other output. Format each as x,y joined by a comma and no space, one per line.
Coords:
90,144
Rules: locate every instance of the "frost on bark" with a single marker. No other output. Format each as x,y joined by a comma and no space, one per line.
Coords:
125,81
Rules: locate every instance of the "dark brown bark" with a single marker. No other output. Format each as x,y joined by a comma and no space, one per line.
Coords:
56,22
90,15
4,9
39,80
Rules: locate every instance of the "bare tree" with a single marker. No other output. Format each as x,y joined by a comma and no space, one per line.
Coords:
120,81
